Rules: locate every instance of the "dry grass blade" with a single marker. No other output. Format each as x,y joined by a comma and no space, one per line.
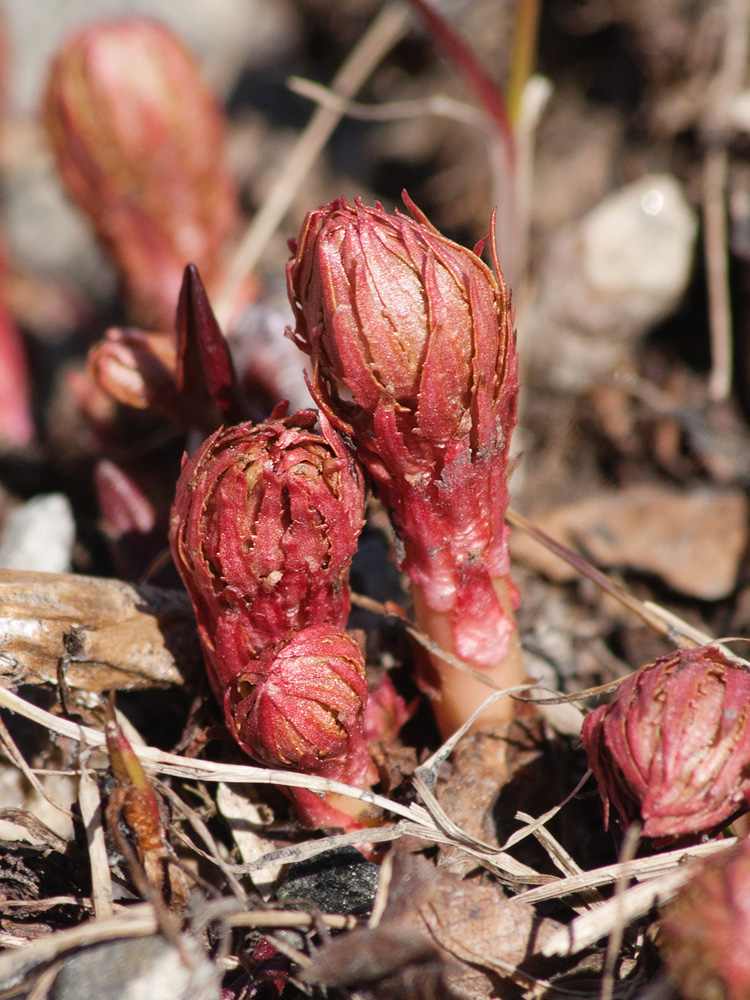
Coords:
428,770
498,861
534,825
16,757
90,805
715,175
562,860
212,853
292,918
727,84
312,848
35,827
623,909
557,853
617,933
41,988
438,105
385,31
642,869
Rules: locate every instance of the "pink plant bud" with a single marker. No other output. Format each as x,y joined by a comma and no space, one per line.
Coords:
302,705
189,378
674,746
704,931
129,519
138,136
386,713
124,506
134,802
411,339
138,368
264,525
135,367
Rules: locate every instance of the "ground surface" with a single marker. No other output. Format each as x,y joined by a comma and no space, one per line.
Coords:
633,447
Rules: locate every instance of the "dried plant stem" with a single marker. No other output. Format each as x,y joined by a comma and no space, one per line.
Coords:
641,869
8,745
462,693
41,988
387,28
727,84
524,53
715,168
438,105
90,804
614,944
534,97
621,909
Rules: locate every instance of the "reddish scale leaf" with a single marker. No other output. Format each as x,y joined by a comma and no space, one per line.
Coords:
204,364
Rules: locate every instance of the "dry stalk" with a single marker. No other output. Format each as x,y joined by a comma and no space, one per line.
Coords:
646,870
617,933
90,805
384,32
429,822
622,909
727,84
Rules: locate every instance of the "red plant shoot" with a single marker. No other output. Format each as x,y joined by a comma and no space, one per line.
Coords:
264,526
265,522
302,706
139,140
413,350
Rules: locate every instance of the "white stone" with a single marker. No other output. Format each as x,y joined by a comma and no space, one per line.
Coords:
38,536
608,280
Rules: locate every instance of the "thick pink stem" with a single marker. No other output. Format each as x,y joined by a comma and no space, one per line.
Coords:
462,693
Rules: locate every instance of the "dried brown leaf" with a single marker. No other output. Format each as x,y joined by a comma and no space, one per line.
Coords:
458,936
693,541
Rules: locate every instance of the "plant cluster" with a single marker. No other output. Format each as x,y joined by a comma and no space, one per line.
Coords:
411,342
